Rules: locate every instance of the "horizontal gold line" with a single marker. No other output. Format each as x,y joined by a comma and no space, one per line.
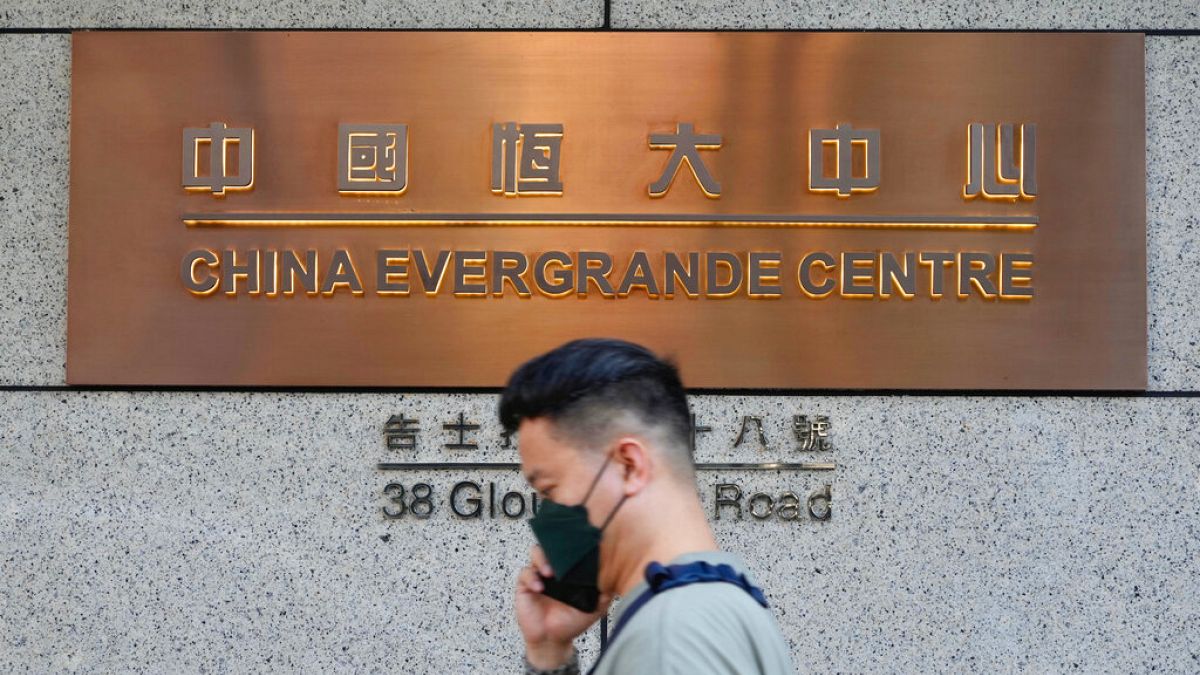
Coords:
349,222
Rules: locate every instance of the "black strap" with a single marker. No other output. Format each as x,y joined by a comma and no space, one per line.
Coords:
663,578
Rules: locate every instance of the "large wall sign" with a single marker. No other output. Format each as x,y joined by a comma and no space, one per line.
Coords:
774,209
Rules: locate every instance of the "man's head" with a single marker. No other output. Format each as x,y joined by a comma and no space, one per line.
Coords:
589,392
594,400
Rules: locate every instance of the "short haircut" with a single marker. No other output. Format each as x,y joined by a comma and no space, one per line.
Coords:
594,389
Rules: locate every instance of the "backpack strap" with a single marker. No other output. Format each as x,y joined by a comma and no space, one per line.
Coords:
662,578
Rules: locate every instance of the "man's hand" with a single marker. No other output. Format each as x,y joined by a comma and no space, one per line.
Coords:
549,626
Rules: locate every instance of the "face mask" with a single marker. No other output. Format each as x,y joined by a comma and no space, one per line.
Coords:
572,545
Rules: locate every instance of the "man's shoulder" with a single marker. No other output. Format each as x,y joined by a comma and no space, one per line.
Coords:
718,605
702,628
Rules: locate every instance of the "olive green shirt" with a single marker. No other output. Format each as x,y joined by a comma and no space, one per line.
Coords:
699,629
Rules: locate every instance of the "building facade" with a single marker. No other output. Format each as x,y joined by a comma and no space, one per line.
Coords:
159,529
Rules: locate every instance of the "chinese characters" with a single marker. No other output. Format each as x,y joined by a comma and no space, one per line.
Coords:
218,140
811,433
373,159
527,159
999,167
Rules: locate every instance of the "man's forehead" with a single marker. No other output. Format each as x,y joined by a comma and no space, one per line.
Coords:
530,438
542,452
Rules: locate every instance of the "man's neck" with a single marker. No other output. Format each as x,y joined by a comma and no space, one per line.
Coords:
683,529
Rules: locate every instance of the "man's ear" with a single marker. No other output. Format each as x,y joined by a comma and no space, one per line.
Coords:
636,464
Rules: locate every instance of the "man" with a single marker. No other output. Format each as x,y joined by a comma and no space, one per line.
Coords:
604,436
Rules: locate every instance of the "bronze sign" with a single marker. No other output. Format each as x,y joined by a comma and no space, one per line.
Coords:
833,210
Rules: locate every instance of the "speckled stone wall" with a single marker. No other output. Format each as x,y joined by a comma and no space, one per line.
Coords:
183,531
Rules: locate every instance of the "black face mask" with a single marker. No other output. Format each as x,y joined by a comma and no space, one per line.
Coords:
572,545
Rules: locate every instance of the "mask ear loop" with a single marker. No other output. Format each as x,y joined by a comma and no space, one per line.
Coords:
596,479
593,487
613,512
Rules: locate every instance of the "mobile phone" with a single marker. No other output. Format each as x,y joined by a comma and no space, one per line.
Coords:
581,597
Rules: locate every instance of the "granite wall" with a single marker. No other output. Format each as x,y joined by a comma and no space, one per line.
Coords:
164,531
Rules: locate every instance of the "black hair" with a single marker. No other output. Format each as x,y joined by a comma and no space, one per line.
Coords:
582,385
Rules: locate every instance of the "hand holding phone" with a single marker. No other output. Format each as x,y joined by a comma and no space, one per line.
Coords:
548,611
583,598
